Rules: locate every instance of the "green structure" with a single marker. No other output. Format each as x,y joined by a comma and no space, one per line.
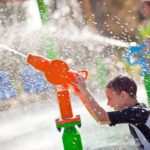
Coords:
71,137
144,31
147,86
51,51
101,73
43,11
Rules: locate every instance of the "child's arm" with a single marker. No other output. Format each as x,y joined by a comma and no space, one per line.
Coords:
99,114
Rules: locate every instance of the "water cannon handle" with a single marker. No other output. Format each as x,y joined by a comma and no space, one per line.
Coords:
73,75
84,73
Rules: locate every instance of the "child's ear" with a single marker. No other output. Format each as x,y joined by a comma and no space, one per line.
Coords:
124,94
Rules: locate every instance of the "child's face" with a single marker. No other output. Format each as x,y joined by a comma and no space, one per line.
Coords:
145,9
115,100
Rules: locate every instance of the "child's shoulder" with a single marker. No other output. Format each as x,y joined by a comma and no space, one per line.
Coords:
139,108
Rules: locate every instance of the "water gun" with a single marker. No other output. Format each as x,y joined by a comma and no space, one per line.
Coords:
59,74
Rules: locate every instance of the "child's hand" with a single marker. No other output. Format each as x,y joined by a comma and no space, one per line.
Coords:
80,83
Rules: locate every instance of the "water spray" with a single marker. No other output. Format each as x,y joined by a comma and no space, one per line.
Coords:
96,38
12,50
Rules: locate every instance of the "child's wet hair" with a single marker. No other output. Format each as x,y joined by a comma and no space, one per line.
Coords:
123,83
146,1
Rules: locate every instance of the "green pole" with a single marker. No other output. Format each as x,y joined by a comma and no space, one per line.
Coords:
101,73
43,11
71,137
49,44
147,86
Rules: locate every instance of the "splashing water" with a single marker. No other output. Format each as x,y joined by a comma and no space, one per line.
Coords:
86,35
12,50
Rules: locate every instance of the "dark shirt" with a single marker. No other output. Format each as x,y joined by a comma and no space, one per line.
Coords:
138,118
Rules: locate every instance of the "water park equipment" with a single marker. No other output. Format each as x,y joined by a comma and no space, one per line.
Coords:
58,73
43,11
51,50
140,55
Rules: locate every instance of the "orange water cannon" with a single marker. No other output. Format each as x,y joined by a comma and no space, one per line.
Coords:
58,73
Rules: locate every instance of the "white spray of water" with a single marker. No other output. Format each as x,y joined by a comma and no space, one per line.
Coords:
95,38
12,50
110,41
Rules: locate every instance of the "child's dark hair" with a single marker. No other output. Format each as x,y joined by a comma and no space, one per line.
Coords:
123,83
147,2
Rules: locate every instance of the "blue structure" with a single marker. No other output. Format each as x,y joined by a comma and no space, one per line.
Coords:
142,61
143,51
33,81
6,89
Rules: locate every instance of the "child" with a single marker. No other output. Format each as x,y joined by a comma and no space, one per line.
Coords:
121,95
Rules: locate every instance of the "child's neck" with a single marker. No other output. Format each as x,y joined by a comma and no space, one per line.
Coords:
130,102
